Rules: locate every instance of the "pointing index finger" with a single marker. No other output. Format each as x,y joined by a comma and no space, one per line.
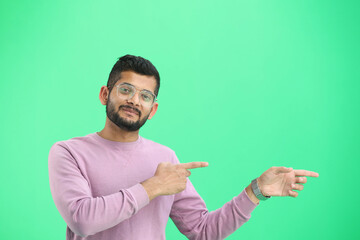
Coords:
192,165
306,173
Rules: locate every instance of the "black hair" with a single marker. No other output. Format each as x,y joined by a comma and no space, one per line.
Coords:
136,64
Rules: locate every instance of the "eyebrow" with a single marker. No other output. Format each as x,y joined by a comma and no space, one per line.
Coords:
135,87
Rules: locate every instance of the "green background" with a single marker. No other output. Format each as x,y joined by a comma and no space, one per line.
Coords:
245,85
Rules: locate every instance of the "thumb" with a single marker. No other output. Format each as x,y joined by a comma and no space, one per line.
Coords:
283,170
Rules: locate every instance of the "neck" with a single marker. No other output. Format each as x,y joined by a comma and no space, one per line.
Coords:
114,133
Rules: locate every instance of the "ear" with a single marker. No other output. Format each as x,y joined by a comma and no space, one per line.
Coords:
103,96
153,110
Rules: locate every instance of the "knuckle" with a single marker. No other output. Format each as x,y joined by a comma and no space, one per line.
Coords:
163,164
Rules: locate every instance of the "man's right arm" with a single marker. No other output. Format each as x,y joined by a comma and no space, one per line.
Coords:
86,215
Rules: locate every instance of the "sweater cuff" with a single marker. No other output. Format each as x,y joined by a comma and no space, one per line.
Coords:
140,195
247,206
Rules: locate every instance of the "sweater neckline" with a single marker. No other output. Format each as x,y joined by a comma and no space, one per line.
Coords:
116,144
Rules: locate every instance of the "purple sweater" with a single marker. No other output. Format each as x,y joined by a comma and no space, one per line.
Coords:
95,184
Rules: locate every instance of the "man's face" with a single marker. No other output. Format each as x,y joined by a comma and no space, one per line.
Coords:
130,115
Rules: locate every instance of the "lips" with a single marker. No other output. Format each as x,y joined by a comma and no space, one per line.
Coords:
129,110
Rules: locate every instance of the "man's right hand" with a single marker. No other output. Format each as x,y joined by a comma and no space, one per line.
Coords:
170,178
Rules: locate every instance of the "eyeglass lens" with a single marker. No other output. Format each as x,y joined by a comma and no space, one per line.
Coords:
127,91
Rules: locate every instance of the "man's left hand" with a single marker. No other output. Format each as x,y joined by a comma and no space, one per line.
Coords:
281,181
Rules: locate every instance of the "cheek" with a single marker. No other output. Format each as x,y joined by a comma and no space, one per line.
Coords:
147,114
113,106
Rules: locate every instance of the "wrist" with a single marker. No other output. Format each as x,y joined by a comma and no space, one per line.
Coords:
151,188
257,191
252,195
261,187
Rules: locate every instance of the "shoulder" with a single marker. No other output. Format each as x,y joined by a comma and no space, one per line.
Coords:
159,148
74,143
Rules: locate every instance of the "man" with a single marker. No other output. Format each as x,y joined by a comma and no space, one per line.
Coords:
115,184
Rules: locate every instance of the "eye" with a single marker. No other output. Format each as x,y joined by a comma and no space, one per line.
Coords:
147,97
124,90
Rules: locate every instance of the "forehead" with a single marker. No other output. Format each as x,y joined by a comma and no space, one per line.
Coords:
138,80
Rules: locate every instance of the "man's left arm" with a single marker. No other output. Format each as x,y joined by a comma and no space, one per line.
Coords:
192,218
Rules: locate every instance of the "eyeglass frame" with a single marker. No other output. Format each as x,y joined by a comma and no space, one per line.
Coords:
137,90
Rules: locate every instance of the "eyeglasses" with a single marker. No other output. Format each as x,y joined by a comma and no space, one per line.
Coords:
127,91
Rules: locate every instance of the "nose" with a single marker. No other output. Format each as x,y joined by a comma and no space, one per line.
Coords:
135,100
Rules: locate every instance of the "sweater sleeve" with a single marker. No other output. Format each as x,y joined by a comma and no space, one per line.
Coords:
192,218
86,215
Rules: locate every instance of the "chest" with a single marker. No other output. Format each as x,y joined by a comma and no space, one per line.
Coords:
109,172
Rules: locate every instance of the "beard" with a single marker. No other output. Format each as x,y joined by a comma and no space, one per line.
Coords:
121,122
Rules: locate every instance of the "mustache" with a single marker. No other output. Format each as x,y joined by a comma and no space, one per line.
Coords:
127,106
